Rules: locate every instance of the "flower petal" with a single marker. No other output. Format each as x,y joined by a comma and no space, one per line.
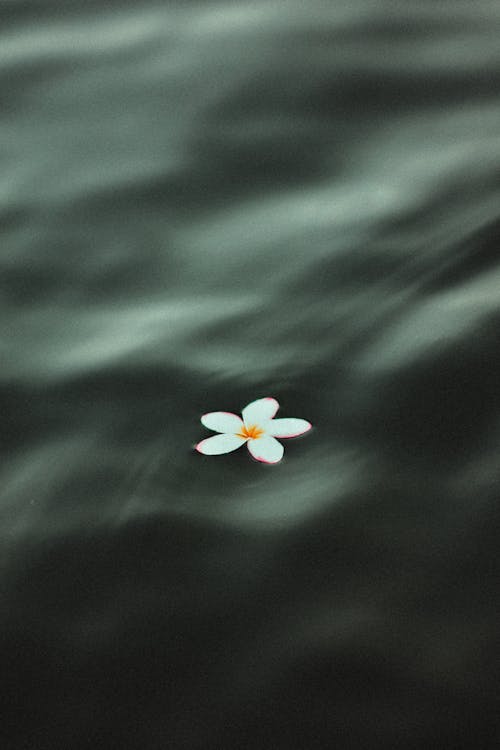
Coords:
222,421
266,449
260,411
214,446
286,428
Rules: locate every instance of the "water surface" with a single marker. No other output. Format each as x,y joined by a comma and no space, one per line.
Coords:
206,203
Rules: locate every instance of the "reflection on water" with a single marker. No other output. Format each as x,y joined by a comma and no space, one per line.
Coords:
206,203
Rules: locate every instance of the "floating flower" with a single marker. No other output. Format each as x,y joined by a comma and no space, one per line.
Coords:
256,427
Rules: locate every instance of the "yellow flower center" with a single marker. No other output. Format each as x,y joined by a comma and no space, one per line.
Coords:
251,432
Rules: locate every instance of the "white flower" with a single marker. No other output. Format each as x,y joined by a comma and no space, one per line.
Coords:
257,429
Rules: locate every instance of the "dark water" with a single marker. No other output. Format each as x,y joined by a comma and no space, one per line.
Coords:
202,204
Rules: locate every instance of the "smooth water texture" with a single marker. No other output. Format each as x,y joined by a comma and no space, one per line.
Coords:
206,203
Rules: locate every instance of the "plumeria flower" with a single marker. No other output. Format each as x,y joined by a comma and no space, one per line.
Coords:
256,427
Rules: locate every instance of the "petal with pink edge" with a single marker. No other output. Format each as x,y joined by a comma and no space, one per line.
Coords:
222,421
260,411
266,449
218,444
285,428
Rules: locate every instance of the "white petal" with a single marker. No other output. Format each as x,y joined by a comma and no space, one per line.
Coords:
286,428
214,446
222,421
260,411
266,449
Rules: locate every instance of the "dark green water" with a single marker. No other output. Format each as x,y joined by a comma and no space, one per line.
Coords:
202,204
